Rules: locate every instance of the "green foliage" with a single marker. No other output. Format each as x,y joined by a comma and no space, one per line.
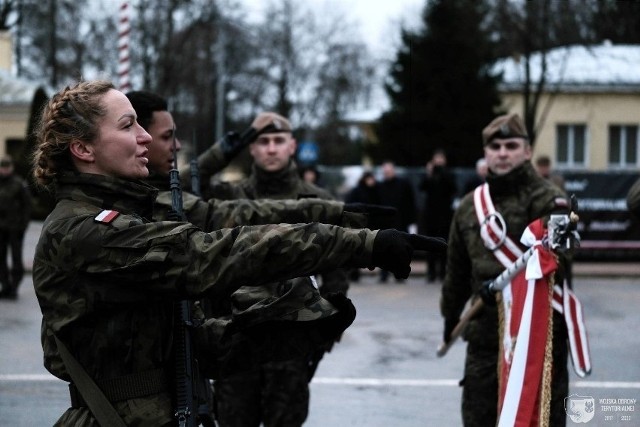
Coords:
441,89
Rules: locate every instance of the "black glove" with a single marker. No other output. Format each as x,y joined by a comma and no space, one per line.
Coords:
487,295
346,309
233,143
393,250
449,326
172,215
378,216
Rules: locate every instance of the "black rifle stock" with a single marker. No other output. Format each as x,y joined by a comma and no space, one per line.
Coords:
195,173
184,366
188,381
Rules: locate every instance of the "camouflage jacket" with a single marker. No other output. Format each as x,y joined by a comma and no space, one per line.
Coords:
107,287
521,197
287,184
297,300
215,213
15,203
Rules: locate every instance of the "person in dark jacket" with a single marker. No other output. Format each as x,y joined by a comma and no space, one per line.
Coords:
398,193
15,213
439,187
367,190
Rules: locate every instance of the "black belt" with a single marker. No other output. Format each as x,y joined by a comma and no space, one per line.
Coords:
126,387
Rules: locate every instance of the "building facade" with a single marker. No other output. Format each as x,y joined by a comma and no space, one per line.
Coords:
588,117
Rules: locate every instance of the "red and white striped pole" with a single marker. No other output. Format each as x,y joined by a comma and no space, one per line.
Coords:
124,29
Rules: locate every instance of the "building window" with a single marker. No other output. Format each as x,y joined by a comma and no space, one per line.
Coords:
571,146
623,146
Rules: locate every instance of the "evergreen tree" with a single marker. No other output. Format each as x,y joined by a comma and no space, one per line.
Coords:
440,86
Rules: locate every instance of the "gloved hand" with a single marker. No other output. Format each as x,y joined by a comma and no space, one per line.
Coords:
346,309
393,250
487,295
378,216
172,215
449,326
233,143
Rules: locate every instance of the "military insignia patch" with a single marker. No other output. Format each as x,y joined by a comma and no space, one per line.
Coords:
106,216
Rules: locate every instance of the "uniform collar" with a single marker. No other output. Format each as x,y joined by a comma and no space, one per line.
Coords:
279,182
512,182
107,192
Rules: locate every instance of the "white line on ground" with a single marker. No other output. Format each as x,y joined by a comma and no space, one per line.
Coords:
367,382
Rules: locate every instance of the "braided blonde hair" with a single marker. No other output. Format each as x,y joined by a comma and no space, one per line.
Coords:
72,114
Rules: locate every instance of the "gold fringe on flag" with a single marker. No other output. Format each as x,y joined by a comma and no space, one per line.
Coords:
545,386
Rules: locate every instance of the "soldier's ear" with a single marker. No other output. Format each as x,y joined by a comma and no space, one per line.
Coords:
293,146
82,151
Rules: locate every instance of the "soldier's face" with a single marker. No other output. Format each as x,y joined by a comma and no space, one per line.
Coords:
160,155
271,151
120,150
504,155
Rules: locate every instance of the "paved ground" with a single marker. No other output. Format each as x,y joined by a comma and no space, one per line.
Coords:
384,372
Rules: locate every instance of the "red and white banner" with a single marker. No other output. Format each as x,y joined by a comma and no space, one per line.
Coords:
523,364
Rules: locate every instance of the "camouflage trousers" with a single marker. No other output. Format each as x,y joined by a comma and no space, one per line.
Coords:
275,393
480,382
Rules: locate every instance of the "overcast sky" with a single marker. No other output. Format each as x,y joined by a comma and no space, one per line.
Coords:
379,19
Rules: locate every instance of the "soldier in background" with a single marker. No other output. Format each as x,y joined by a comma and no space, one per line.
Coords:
15,214
520,196
276,393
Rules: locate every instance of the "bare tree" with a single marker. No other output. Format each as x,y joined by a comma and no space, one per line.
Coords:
527,31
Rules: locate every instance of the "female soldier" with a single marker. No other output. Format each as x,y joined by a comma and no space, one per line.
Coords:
106,278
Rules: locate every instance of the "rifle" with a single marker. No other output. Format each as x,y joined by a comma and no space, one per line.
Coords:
188,386
561,233
195,173
182,336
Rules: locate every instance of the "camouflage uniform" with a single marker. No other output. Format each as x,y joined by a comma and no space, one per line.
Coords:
276,393
15,213
521,197
298,301
107,289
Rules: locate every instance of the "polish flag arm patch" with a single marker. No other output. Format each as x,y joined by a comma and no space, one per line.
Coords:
106,216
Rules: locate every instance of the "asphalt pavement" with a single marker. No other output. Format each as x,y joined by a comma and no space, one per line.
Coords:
384,372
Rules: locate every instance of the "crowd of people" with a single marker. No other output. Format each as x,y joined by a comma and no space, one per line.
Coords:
264,264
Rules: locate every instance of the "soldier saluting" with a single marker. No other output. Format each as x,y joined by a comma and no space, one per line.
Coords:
106,277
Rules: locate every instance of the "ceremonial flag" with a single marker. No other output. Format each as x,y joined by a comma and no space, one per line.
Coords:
525,356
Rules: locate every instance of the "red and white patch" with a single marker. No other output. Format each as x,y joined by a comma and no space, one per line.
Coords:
106,216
